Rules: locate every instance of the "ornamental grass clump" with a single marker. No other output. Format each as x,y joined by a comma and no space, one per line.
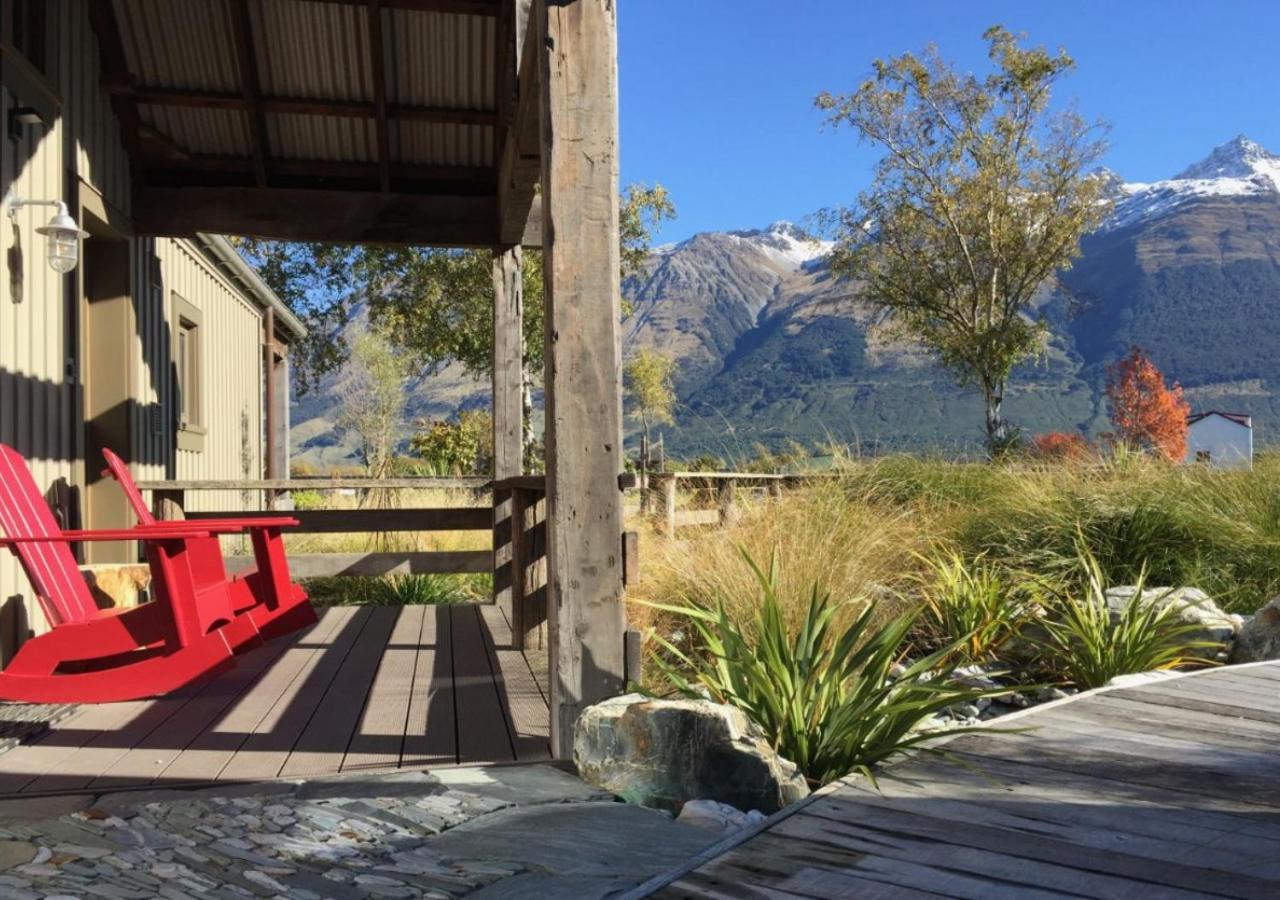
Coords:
972,605
1088,643
829,699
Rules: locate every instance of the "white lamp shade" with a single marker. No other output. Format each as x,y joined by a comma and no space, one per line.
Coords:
63,251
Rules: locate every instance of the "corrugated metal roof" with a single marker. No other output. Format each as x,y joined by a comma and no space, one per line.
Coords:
179,44
315,50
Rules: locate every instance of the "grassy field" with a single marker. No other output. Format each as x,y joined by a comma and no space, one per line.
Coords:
869,531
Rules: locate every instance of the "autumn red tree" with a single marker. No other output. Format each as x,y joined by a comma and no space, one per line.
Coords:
1147,414
1069,446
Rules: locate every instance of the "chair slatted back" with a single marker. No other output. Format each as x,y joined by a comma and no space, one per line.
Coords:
50,566
120,472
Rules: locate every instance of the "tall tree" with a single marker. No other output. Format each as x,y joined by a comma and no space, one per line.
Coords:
372,395
1146,413
981,197
649,388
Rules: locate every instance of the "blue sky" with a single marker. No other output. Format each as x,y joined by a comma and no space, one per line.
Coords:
717,95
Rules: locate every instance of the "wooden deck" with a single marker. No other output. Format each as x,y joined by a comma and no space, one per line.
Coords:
1170,789
366,689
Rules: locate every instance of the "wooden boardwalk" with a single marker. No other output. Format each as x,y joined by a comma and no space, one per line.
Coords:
365,689
1168,790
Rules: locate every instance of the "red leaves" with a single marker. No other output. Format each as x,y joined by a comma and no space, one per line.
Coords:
1146,414
1071,446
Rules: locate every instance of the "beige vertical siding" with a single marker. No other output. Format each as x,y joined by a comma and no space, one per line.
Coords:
231,366
38,408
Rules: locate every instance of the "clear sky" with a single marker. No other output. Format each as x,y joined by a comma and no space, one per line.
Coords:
717,95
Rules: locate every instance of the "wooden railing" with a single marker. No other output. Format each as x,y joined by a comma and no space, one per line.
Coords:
169,501
516,519
723,487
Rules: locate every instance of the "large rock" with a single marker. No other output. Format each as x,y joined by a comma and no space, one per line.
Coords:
1259,637
1194,607
662,753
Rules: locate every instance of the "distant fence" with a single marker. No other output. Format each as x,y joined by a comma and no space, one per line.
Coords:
722,489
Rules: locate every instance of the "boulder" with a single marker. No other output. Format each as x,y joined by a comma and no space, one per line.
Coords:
663,753
718,817
1259,637
1194,607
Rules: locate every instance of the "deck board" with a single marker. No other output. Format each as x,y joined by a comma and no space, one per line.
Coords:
431,728
364,689
1166,789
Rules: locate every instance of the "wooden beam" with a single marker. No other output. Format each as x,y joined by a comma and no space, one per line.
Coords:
466,180
242,34
115,69
520,163
457,7
300,106
578,62
337,565
378,63
301,214
508,421
373,521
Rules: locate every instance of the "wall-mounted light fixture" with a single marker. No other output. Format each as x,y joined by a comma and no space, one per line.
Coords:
21,118
64,234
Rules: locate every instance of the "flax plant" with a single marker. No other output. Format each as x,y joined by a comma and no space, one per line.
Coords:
829,700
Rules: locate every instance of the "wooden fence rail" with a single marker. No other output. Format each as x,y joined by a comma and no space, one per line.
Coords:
725,486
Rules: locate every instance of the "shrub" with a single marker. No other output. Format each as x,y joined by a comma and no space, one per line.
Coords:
972,605
1089,645
1068,446
827,698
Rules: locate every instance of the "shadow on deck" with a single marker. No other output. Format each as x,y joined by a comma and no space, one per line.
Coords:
366,689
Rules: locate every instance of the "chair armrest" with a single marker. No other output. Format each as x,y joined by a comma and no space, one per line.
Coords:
121,534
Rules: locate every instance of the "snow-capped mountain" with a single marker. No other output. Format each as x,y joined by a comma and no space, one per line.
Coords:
1238,168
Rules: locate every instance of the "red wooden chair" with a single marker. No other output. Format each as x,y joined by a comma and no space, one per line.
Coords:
189,630
276,604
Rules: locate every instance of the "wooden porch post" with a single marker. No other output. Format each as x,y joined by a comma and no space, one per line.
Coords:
579,98
508,423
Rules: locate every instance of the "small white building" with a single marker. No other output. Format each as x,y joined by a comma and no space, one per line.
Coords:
1220,439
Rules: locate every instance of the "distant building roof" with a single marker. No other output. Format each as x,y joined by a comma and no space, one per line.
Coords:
1238,418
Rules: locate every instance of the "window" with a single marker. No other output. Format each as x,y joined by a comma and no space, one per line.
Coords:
1204,456
188,402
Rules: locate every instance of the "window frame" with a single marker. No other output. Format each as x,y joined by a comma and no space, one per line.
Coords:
188,369
31,84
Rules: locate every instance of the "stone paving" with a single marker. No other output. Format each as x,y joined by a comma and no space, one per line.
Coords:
20,722
498,832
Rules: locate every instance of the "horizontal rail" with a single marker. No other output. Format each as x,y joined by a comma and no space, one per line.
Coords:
361,521
745,476
697,517
315,484
333,565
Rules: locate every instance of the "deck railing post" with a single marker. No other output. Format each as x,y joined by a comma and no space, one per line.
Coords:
727,501
666,484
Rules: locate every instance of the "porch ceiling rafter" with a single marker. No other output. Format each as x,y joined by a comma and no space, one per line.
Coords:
302,106
378,63
457,7
250,86
115,73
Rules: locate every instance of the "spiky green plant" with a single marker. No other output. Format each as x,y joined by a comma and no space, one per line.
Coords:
972,604
828,701
1088,643
415,590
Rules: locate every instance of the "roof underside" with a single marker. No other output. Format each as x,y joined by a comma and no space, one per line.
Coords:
314,119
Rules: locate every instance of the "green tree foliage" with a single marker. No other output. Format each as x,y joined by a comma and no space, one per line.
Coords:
649,387
436,304
461,446
982,196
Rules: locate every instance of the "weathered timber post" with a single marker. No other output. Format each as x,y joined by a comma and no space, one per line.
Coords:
775,489
508,423
726,496
168,505
579,100
666,486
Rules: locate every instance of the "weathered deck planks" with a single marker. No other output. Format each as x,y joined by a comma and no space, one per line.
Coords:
1168,789
365,689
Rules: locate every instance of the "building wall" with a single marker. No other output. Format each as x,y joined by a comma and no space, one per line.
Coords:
1229,444
80,158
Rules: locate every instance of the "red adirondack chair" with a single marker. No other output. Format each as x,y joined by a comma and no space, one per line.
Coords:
276,604
190,629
